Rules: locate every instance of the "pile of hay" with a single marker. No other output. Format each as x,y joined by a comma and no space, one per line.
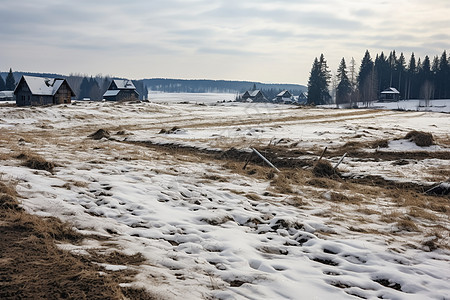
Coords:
420,138
99,134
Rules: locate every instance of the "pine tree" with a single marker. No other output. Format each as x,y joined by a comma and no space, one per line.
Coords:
84,88
10,83
344,88
318,82
314,90
2,84
367,79
94,90
392,60
325,78
411,78
383,71
442,77
401,70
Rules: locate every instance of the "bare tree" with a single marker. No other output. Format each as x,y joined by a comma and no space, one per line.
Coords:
427,92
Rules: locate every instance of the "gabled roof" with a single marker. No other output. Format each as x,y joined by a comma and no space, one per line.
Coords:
124,84
42,86
390,90
283,93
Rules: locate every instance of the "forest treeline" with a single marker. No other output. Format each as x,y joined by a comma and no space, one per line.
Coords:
415,78
214,86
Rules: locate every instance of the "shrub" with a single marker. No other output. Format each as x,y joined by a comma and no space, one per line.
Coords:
420,138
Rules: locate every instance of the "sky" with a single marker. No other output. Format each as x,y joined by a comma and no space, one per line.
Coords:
271,41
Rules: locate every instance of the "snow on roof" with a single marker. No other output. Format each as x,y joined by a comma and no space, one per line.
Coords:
124,84
6,94
281,94
43,86
111,93
254,93
390,90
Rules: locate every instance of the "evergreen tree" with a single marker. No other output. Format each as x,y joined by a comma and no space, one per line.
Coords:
95,92
401,70
383,71
10,83
325,78
442,77
2,84
367,79
411,78
314,89
344,89
318,82
84,89
392,66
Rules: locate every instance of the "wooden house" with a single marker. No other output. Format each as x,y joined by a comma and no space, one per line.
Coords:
33,91
390,94
121,90
254,96
283,97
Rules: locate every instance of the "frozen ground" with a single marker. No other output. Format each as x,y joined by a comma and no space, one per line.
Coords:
211,230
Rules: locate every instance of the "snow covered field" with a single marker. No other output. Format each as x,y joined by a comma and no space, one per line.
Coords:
209,229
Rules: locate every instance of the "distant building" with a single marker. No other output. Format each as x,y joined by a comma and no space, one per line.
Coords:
121,90
390,94
254,96
33,91
302,98
284,97
6,95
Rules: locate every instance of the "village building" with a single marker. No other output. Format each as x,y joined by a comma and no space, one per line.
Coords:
390,94
33,91
121,90
284,97
254,96
6,95
302,98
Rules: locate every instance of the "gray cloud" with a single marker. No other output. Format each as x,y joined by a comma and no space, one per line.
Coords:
270,34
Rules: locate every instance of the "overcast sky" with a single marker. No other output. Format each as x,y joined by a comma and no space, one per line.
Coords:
257,40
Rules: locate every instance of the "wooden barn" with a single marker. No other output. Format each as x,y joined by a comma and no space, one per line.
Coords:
33,91
121,90
254,96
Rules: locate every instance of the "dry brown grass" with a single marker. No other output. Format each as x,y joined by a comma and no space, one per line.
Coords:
418,212
367,211
406,224
35,161
323,168
420,138
33,267
383,143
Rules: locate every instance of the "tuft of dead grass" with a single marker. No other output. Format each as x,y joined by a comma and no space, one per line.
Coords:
36,162
323,169
383,143
420,138
406,224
